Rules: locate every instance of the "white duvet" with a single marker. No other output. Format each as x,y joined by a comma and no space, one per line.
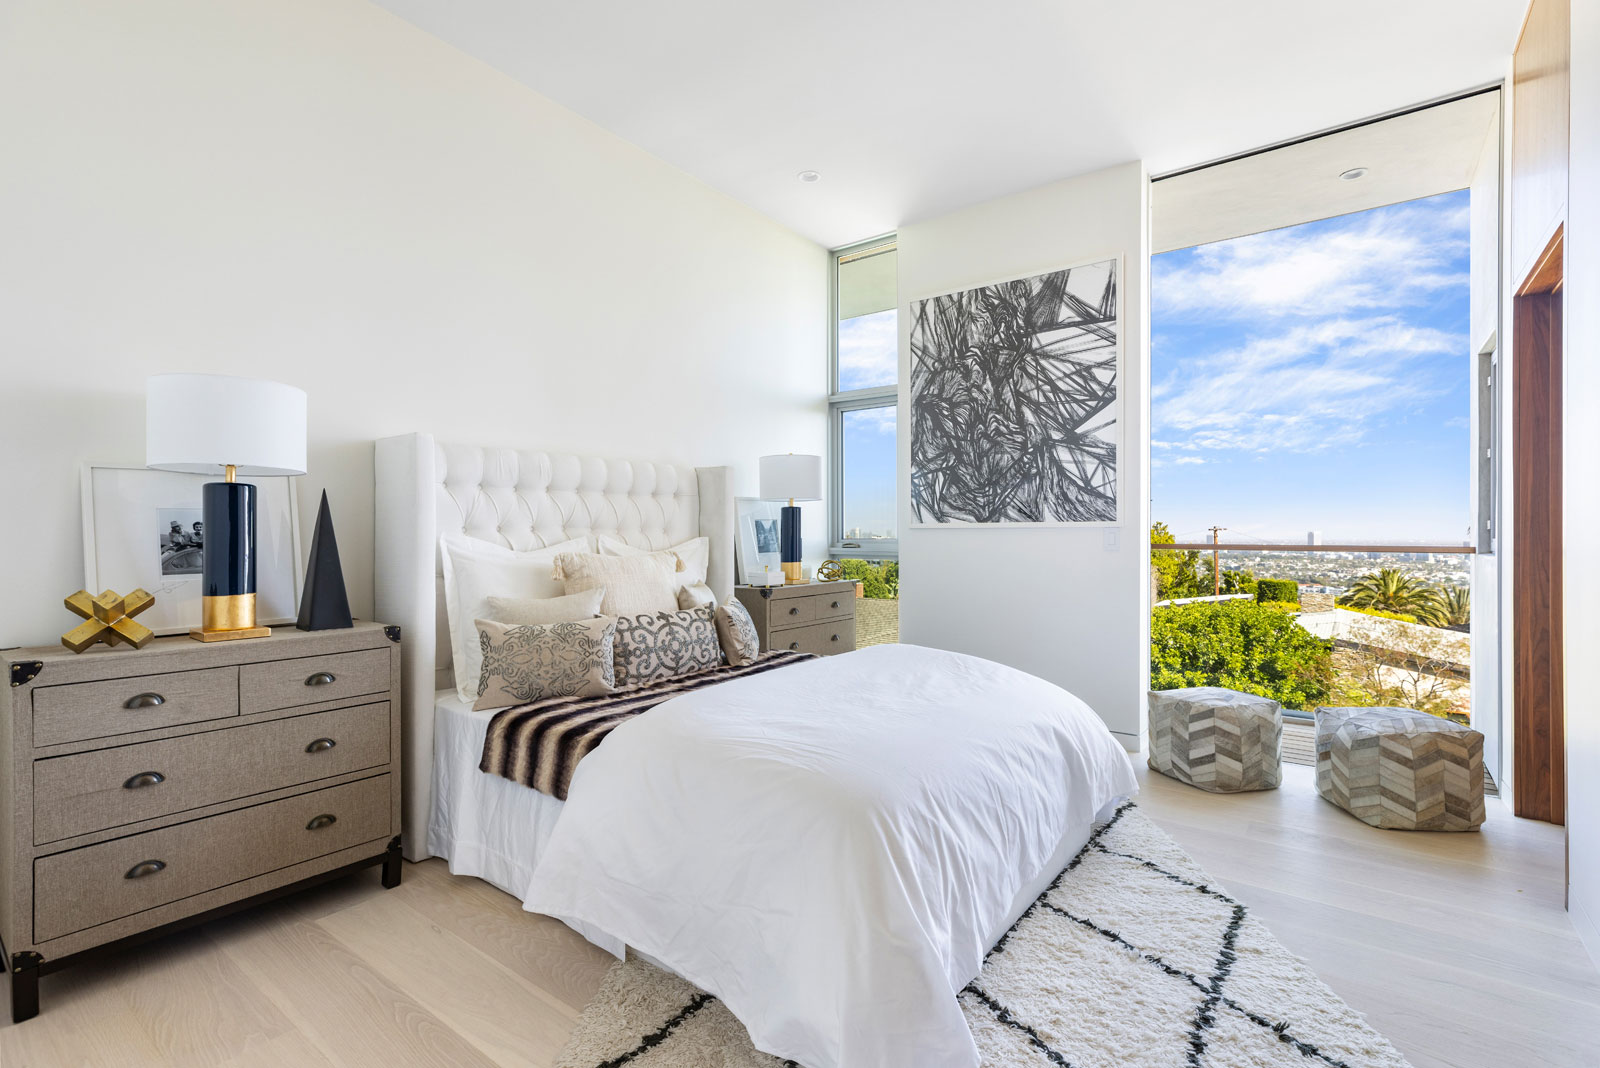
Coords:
825,847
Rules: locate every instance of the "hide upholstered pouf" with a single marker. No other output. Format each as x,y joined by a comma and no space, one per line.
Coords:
1399,769
1215,739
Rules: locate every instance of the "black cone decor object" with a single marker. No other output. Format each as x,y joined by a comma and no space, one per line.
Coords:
324,605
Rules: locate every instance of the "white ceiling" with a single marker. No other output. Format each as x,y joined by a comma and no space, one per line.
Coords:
1434,150
910,108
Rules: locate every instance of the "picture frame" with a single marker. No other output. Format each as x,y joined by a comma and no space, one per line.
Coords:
756,546
130,542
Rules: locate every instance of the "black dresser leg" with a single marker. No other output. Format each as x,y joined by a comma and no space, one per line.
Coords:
391,865
25,986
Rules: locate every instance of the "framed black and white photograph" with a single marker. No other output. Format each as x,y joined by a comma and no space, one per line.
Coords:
756,547
1014,401
143,529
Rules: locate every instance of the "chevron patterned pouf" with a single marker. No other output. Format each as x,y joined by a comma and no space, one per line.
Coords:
1399,769
1215,739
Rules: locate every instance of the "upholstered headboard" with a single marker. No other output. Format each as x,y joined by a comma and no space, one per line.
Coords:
522,499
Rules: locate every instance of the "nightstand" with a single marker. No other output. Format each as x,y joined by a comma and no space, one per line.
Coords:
813,617
146,790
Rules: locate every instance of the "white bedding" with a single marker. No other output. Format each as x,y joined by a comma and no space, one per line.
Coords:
830,848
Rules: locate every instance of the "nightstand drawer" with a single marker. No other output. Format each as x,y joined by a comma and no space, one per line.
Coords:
83,710
835,636
312,679
835,605
792,611
84,887
112,787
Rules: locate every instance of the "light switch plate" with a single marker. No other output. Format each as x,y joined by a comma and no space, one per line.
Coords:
1112,536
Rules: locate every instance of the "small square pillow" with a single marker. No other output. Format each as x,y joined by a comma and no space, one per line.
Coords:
737,632
695,596
634,585
695,554
523,664
664,645
475,570
527,611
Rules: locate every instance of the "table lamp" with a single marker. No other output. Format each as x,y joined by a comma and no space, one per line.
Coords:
217,424
794,478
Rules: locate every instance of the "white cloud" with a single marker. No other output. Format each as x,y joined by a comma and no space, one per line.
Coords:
869,353
880,420
1378,261
1189,460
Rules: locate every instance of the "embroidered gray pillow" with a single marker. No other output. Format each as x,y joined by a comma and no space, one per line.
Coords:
524,664
737,632
663,645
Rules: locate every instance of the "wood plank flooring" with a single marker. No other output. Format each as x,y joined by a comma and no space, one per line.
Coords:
1455,946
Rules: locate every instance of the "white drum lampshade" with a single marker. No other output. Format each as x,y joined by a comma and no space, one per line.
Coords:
218,425
791,477
200,424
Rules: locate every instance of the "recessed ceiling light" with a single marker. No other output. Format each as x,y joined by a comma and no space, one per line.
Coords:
1353,173
809,176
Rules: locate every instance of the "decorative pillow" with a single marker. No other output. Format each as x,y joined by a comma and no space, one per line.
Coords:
634,585
695,596
533,663
663,645
737,632
474,571
694,553
527,611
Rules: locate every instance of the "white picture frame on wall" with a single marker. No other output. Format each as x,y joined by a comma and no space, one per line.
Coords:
756,545
127,511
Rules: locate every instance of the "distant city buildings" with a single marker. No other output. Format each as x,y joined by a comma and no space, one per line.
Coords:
1314,537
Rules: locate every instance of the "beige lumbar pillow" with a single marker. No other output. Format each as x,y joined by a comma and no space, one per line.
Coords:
634,585
694,555
527,611
737,632
524,664
698,595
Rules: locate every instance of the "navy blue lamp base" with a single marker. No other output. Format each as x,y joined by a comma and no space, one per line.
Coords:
789,543
228,568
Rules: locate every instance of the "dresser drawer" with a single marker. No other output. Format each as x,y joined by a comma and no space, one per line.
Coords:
834,605
112,787
310,680
96,884
83,710
835,636
792,611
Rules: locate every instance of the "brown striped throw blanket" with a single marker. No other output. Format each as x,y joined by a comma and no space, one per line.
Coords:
539,745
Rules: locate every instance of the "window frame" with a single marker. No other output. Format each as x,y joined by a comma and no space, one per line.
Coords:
840,402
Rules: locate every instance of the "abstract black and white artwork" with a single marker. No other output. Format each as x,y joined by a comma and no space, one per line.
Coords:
1014,401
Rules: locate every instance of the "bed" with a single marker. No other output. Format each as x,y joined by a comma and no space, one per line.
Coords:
829,847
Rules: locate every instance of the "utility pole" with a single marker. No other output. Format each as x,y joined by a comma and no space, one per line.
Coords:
1216,568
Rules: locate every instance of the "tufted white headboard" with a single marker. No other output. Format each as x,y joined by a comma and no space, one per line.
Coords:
521,499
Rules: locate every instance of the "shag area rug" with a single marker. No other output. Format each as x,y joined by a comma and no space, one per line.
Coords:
1131,959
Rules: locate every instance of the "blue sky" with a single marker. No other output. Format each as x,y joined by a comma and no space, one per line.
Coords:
1316,378
868,357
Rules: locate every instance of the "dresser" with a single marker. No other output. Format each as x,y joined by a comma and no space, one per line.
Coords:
146,790
813,617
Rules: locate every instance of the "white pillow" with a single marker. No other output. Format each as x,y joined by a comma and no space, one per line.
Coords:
697,596
474,571
640,584
694,553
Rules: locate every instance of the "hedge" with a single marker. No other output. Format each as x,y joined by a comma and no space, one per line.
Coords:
1239,645
1277,590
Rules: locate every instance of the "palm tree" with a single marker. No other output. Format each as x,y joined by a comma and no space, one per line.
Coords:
1457,603
1392,590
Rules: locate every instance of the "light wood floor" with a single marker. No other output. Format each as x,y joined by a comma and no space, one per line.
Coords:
1455,946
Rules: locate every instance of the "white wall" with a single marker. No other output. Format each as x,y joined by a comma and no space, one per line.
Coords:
317,192
1581,473
1058,602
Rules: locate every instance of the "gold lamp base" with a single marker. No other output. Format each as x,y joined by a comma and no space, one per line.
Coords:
228,619
793,574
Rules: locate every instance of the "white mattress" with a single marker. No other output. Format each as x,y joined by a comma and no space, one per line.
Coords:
495,829
482,825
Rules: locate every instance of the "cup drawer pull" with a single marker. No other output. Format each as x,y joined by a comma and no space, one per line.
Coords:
144,778
794,611
145,867
327,819
321,678
834,605
835,637
144,700
794,645
321,745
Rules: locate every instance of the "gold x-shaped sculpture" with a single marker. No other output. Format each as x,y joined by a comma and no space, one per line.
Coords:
108,618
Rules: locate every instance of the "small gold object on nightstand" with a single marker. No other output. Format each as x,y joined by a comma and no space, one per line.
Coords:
830,571
108,618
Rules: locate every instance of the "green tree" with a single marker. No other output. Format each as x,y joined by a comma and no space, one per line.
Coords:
1177,573
1392,590
1457,605
878,580
1242,646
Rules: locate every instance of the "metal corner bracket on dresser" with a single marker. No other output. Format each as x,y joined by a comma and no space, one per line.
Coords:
146,791
811,617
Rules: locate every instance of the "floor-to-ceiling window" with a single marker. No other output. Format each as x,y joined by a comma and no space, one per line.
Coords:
864,389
